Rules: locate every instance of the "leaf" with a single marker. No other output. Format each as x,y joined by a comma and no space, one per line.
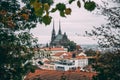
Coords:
62,14
78,4
46,20
37,5
50,2
70,1
61,6
39,12
90,6
46,6
53,9
68,11
25,16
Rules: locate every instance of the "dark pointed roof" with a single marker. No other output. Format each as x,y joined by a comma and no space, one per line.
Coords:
58,39
59,32
53,31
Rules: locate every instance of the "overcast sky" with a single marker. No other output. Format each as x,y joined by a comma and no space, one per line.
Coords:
74,25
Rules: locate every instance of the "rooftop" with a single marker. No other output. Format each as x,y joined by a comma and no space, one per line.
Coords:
68,55
54,49
56,75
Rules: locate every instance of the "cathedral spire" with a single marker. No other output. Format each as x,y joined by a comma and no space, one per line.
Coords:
59,32
53,27
53,33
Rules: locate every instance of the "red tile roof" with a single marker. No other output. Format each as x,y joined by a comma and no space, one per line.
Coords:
81,57
51,49
69,55
56,75
54,49
62,53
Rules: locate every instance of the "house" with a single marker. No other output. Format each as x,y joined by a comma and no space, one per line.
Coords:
40,53
70,61
48,65
54,50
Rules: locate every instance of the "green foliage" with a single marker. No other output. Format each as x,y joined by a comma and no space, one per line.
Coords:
108,66
62,14
70,1
108,34
91,53
15,39
61,6
89,5
70,45
50,2
42,9
46,19
53,10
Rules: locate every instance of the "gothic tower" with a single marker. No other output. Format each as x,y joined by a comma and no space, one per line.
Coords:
53,33
59,39
59,32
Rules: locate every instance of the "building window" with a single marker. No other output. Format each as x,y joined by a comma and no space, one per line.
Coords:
60,68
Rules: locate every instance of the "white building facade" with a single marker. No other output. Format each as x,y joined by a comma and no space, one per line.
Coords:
65,64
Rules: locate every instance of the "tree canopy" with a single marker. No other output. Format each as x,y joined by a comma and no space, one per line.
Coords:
107,64
16,42
108,34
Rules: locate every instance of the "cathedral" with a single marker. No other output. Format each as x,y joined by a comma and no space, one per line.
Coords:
58,39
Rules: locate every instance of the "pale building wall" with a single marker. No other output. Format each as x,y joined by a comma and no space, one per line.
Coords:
54,52
48,66
77,63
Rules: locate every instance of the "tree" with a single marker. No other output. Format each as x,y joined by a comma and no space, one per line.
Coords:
91,53
108,34
71,46
107,66
15,39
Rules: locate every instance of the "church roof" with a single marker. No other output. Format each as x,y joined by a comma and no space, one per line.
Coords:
58,38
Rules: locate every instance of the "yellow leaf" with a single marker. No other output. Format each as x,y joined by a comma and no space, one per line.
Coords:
37,5
25,16
46,6
68,11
